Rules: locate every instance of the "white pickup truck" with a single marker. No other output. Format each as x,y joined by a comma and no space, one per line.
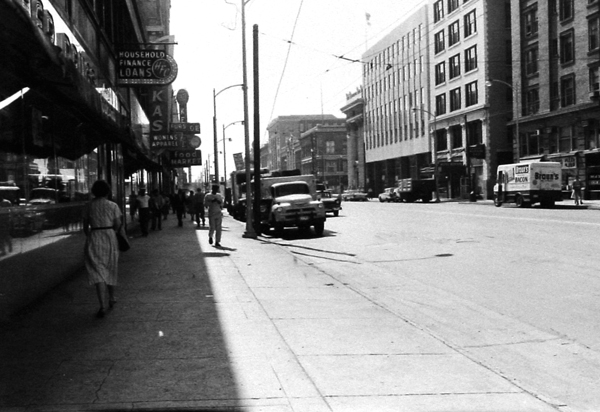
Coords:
527,183
291,201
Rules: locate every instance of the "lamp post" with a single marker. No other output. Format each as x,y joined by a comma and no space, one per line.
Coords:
517,113
432,149
224,156
216,150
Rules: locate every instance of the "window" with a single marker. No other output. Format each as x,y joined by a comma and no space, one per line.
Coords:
530,22
474,133
471,94
567,91
595,79
470,23
440,73
439,41
455,99
531,61
438,11
470,59
456,137
454,66
594,33
441,141
564,139
566,9
567,47
453,5
533,144
532,100
453,33
440,104
330,147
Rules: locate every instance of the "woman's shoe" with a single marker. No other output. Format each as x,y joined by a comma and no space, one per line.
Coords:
111,303
101,313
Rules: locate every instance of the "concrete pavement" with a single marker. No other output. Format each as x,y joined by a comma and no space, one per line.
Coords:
247,327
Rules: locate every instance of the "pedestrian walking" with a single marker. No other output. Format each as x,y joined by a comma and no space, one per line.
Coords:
101,219
143,206
199,207
166,205
189,204
576,195
132,205
156,204
214,202
178,203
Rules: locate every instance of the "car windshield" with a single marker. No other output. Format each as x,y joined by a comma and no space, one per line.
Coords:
291,189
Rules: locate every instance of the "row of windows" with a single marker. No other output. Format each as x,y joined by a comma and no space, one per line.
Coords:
469,28
562,93
451,5
391,78
557,140
471,93
562,48
412,39
454,66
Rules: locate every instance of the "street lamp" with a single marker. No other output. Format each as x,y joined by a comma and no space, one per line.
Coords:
224,156
432,149
215,94
517,113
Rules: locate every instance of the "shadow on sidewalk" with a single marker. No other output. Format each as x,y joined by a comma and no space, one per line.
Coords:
161,346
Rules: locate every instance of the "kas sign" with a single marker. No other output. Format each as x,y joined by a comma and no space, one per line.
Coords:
145,67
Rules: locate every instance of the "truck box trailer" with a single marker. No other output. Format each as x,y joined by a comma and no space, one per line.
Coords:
527,183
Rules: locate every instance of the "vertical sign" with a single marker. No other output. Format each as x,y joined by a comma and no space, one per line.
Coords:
159,113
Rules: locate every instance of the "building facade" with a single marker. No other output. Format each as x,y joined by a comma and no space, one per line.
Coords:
353,109
471,77
396,80
556,51
323,153
66,121
284,135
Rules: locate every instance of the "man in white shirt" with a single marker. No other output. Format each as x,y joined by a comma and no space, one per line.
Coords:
214,202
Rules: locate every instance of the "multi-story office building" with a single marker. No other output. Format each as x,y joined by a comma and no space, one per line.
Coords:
323,153
395,80
470,49
353,109
284,134
556,54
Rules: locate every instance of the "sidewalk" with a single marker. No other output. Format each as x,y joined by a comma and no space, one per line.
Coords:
247,327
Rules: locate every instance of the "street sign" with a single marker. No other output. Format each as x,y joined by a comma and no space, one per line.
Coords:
185,158
190,128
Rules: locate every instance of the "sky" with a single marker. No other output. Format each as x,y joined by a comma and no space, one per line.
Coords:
300,43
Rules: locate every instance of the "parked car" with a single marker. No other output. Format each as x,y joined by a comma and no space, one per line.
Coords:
388,195
354,196
332,202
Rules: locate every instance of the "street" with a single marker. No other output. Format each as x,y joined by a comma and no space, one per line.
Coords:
514,290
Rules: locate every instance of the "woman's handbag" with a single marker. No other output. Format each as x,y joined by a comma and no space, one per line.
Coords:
124,245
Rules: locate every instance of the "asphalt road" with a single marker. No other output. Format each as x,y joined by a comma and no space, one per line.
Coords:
515,290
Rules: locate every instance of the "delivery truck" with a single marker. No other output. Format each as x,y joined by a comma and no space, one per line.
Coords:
527,183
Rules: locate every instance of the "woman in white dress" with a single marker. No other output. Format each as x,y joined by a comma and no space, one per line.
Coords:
101,220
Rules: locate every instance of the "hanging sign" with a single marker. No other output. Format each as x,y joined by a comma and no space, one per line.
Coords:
184,158
145,67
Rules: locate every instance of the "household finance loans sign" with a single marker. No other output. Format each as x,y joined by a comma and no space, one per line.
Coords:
145,67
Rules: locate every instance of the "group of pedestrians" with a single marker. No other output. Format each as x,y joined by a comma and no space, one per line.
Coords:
102,219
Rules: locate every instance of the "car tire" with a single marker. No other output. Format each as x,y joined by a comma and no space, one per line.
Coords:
319,228
336,213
